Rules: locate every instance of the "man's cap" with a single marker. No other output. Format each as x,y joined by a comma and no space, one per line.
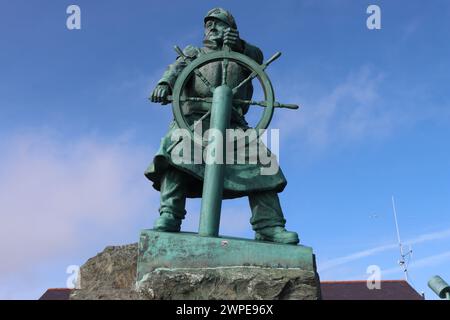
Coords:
221,14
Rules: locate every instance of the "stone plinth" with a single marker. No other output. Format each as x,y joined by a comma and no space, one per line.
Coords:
187,266
230,283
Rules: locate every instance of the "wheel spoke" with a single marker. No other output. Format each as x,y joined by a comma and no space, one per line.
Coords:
254,74
194,99
224,71
249,78
203,117
264,104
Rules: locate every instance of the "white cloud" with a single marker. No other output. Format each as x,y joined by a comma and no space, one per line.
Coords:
58,195
64,198
351,111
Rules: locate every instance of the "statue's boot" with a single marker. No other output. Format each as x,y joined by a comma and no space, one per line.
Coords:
277,234
173,201
167,222
267,219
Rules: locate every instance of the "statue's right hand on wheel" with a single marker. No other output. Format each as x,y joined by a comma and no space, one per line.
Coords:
160,94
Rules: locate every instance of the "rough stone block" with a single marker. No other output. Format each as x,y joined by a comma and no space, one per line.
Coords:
187,266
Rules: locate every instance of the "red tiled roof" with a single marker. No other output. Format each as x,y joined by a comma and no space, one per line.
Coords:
56,294
358,290
331,290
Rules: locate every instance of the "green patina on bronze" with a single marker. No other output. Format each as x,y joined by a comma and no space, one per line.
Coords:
239,179
188,250
213,84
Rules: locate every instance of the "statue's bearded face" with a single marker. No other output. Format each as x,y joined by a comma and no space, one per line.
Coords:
215,29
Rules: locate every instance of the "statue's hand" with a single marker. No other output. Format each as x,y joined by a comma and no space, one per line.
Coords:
231,39
160,94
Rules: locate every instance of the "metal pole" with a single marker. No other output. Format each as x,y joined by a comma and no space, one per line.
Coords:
402,255
215,167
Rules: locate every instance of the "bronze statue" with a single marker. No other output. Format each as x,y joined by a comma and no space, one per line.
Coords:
176,181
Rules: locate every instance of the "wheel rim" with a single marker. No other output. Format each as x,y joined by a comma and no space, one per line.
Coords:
241,59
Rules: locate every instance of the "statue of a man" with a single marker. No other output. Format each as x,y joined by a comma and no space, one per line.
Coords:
175,181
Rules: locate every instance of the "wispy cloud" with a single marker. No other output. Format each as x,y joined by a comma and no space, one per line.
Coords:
354,256
429,237
421,263
439,235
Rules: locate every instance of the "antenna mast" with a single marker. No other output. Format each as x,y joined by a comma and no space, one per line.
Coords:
402,262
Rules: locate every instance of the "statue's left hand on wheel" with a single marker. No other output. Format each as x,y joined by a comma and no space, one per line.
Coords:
160,94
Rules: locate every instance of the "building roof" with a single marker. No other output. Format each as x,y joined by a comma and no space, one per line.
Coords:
56,294
358,290
331,290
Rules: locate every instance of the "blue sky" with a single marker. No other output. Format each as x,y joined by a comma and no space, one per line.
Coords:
77,130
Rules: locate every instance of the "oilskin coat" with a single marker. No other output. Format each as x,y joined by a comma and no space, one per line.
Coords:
239,179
